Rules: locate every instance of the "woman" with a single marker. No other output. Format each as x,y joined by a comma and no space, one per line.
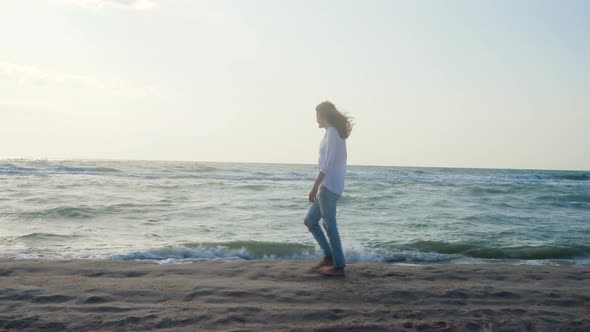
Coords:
328,187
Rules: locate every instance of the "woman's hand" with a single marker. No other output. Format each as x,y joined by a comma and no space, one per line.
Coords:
312,194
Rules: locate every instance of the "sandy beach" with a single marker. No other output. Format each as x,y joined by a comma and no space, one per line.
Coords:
282,295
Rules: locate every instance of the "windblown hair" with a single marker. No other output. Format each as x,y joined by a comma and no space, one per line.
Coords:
341,121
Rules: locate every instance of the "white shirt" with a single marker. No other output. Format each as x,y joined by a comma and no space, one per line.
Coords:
332,160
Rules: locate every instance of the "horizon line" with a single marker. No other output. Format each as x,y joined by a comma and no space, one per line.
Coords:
290,163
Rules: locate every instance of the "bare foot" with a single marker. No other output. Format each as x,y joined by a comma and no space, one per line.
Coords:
324,262
332,271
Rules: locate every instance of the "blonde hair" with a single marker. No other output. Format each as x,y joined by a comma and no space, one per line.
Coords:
333,116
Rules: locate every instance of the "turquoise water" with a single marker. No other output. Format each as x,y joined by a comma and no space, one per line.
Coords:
174,212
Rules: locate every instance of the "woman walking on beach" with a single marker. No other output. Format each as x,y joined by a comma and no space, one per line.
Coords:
328,187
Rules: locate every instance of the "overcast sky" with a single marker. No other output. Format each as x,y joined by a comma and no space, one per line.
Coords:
498,84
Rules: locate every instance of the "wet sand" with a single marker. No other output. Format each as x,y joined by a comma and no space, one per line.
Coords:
257,295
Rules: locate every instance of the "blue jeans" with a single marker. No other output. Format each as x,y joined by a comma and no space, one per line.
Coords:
324,207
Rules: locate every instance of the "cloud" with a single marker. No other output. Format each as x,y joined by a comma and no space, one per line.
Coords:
31,76
116,4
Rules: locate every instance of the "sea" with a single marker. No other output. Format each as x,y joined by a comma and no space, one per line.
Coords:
174,212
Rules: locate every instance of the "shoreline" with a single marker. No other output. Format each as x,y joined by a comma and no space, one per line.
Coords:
285,295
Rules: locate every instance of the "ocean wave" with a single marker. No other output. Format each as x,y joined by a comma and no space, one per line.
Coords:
487,190
575,177
476,250
105,169
227,250
129,209
550,176
456,177
193,169
251,186
80,212
418,252
46,237
392,178
566,198
67,212
10,169
249,250
86,169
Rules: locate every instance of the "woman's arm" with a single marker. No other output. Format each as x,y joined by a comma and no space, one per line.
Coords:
316,186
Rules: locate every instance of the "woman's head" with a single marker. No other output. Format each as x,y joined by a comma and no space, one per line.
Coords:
328,115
